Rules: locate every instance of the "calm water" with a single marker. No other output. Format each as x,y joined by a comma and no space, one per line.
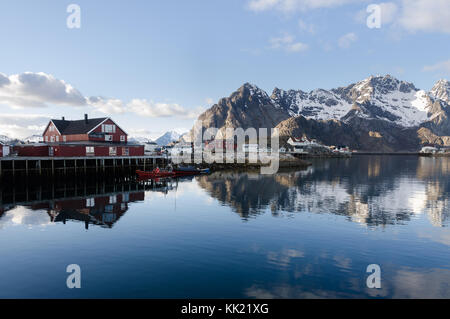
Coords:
298,234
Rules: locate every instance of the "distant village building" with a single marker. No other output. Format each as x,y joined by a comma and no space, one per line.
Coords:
151,147
4,150
429,150
87,137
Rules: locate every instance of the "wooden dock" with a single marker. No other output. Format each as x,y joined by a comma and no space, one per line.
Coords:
62,166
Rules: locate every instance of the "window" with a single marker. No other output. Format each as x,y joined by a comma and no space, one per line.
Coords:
112,151
51,128
122,138
125,151
113,199
125,197
90,150
90,202
52,138
57,138
64,138
46,138
108,128
108,138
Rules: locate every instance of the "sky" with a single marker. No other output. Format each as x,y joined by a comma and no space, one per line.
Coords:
154,66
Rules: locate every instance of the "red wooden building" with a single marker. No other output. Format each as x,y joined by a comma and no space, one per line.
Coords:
88,137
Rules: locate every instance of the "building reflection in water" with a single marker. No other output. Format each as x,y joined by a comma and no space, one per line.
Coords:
371,190
100,203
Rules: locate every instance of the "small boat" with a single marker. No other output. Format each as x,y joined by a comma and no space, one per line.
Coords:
156,173
190,170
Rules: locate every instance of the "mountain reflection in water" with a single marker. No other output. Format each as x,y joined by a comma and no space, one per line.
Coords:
369,190
375,191
296,234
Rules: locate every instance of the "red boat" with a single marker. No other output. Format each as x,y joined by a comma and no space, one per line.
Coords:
156,173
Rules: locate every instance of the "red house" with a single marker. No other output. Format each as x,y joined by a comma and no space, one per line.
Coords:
88,137
97,130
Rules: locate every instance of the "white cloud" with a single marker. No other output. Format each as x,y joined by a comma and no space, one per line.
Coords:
22,125
40,90
296,5
389,11
414,15
443,66
425,15
287,43
151,109
304,26
107,106
346,40
37,90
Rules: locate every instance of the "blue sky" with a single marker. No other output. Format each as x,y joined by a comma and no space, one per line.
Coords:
154,65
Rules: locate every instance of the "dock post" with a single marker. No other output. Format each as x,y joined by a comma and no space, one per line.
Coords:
53,167
144,162
64,167
13,168
40,167
26,168
85,166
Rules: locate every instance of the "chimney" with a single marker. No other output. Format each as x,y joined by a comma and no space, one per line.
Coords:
86,118
63,118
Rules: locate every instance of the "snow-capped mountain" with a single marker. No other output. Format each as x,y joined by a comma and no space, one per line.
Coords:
379,112
167,138
384,98
5,139
441,90
139,140
33,139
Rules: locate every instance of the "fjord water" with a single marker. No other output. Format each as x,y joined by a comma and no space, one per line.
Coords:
297,234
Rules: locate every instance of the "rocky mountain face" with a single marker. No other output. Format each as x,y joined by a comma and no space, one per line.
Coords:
379,113
248,107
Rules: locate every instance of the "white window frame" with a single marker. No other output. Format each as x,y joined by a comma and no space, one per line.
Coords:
52,139
113,199
90,202
108,128
108,138
64,138
122,138
112,151
90,150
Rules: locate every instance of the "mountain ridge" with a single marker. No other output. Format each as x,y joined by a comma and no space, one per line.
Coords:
377,102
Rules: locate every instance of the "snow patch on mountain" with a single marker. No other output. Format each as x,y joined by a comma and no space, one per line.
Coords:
167,138
377,97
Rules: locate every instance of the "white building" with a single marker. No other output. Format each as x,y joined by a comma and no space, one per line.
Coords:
428,150
151,147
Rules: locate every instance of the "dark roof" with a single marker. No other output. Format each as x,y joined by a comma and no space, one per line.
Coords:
77,127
